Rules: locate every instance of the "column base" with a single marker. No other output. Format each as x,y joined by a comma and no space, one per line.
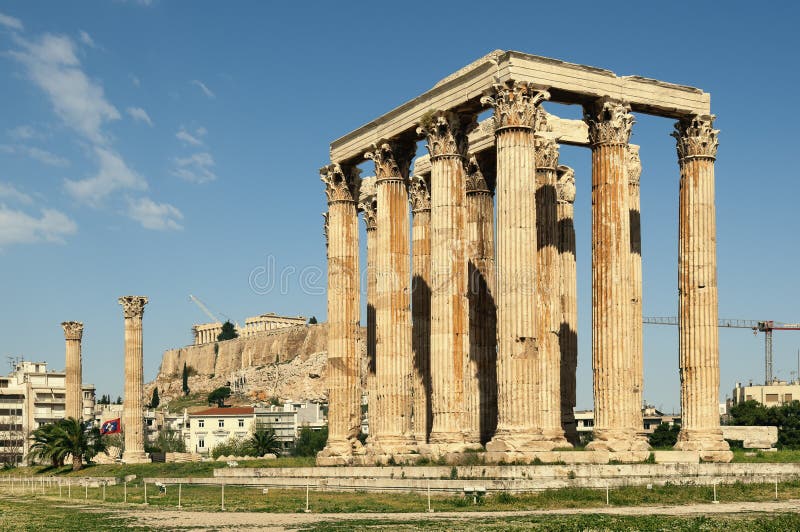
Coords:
558,438
390,445
570,427
708,442
339,452
135,457
438,450
618,441
521,441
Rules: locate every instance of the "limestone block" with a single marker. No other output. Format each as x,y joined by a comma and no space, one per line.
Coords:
629,457
677,457
751,437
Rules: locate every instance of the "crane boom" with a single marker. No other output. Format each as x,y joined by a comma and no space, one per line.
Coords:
204,308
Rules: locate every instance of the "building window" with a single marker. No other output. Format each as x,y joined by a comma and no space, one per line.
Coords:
201,443
787,397
201,423
749,398
772,397
241,423
221,423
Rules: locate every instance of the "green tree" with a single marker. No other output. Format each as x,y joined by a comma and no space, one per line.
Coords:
66,437
263,441
664,435
228,332
44,448
750,413
155,400
118,401
170,441
185,379
219,395
312,320
310,442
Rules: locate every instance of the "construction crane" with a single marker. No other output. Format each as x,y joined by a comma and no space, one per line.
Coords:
210,314
766,326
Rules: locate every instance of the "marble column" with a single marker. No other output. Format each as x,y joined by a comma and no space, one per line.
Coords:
548,291
420,198
615,397
568,328
133,414
446,133
633,167
697,288
368,204
480,381
73,332
344,386
518,377
393,355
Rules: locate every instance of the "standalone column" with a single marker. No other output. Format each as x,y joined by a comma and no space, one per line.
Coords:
568,329
518,423
133,417
420,199
480,382
344,405
368,204
73,332
447,136
548,291
610,124
393,433
697,289
634,168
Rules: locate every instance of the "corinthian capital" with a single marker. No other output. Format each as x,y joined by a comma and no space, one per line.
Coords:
392,159
341,182
446,133
696,137
546,153
633,165
73,330
565,186
476,183
515,104
133,306
368,202
609,121
419,194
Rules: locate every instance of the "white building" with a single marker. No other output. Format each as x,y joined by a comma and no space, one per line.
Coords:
208,428
776,393
289,419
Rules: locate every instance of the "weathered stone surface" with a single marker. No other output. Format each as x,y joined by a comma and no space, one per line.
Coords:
420,199
751,437
676,457
73,332
133,311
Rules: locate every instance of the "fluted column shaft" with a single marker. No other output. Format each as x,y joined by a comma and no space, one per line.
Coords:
393,318
615,398
344,410
133,311
697,288
568,329
548,309
73,332
634,169
480,382
368,205
421,306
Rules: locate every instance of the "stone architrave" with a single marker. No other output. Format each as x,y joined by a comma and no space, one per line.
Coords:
697,142
568,328
446,134
480,381
420,198
634,169
518,377
548,290
344,411
610,124
368,204
133,414
73,333
392,430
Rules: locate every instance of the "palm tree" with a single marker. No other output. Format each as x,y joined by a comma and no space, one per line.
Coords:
66,437
44,445
263,441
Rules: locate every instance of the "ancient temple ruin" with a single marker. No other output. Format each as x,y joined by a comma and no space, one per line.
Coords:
472,339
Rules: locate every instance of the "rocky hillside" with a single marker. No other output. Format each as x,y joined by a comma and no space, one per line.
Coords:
289,364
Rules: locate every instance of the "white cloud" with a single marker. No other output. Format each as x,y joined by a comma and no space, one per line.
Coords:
52,65
136,81
197,168
43,156
18,227
190,139
22,132
12,193
113,174
10,22
203,88
86,38
140,115
157,216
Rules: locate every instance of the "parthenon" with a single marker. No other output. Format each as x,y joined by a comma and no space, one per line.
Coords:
471,283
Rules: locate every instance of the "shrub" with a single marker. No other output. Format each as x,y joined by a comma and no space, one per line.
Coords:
310,442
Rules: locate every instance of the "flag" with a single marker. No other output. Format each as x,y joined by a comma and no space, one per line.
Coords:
112,426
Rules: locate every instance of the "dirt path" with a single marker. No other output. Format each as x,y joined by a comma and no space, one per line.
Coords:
246,521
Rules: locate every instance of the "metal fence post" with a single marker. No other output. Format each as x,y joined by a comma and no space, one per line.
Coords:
179,494
223,496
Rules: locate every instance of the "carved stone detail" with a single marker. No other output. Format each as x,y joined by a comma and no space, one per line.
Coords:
565,187
133,306
633,165
515,104
392,159
696,137
446,133
325,227
546,152
341,182
610,122
419,194
73,330
476,183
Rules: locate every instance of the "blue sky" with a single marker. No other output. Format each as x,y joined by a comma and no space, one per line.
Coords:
172,148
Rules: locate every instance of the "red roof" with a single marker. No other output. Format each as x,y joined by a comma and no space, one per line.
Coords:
232,411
